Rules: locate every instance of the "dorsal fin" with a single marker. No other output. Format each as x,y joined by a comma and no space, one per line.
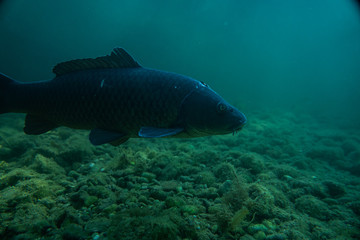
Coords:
118,58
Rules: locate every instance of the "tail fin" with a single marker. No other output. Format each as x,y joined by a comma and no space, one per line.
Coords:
5,83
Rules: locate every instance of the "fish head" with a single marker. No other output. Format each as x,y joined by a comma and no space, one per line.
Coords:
206,113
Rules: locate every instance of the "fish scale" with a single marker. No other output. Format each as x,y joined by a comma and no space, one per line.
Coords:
120,103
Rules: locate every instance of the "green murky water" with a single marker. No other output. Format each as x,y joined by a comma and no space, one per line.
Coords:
292,173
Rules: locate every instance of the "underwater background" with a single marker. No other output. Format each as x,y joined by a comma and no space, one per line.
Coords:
293,172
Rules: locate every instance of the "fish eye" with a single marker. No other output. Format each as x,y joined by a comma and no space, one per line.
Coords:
221,107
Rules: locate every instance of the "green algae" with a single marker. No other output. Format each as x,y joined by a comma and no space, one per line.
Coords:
238,219
185,189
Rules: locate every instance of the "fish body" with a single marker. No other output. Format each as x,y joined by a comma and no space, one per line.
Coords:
117,99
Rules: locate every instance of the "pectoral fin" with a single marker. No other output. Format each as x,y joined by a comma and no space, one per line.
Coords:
100,136
152,132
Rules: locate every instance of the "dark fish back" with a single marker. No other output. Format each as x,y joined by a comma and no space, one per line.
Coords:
114,99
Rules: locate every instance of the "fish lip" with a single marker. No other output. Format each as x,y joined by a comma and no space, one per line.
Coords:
239,126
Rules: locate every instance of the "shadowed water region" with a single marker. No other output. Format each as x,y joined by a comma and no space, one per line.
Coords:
292,172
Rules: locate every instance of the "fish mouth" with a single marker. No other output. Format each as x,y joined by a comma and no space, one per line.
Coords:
239,126
236,130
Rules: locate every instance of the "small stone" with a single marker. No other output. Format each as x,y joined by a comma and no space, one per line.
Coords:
192,209
143,199
225,187
260,235
179,189
269,225
277,236
148,176
110,209
74,174
43,164
90,200
158,194
73,231
142,180
256,228
186,179
288,177
209,193
169,185
98,225
174,202
96,236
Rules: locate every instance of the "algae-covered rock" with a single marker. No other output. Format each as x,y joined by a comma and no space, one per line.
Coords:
15,176
172,170
269,225
222,214
350,146
260,235
158,193
334,189
89,200
208,193
5,152
43,164
26,218
78,199
355,206
253,162
192,209
74,174
262,201
170,186
225,187
111,209
306,187
223,172
205,156
40,188
72,232
174,202
328,154
163,227
275,151
254,228
65,215
205,177
355,156
313,207
12,197
247,237
277,236
148,176
98,225
237,197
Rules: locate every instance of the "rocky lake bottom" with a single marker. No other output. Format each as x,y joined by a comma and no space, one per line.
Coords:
279,178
